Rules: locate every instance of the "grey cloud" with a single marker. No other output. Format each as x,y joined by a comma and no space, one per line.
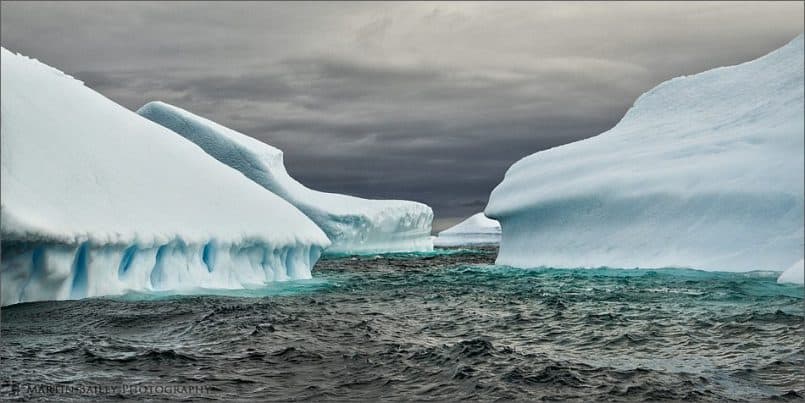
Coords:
423,101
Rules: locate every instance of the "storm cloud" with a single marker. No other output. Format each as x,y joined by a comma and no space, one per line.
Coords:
422,101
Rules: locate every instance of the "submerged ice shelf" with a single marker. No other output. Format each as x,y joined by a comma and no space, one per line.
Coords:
475,230
354,225
97,200
703,172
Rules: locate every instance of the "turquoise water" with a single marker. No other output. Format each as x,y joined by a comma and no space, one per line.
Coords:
444,325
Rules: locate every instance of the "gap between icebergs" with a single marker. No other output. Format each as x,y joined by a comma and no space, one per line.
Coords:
478,229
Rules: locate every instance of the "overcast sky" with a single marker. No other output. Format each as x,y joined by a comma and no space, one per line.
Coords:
421,101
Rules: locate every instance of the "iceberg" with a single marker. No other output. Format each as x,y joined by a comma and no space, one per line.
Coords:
794,274
475,230
704,172
354,225
97,200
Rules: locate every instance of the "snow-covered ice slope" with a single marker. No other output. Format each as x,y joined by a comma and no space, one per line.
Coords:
354,225
794,274
704,171
476,230
97,200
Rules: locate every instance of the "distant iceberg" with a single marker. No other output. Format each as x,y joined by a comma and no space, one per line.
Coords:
97,200
704,171
354,225
475,230
794,274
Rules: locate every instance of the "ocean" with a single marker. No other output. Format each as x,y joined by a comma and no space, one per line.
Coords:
446,325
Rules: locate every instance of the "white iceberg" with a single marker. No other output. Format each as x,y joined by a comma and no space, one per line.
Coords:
476,230
794,274
97,200
354,225
704,171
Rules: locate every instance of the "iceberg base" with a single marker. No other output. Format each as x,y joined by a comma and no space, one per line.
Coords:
36,271
380,245
714,232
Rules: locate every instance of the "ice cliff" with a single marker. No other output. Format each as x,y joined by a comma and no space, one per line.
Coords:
704,171
354,225
97,200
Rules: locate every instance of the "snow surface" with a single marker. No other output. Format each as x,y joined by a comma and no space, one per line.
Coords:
794,274
704,171
475,230
354,225
97,200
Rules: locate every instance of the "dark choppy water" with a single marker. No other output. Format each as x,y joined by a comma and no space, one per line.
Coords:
435,327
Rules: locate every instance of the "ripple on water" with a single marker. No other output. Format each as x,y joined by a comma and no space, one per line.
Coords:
445,325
